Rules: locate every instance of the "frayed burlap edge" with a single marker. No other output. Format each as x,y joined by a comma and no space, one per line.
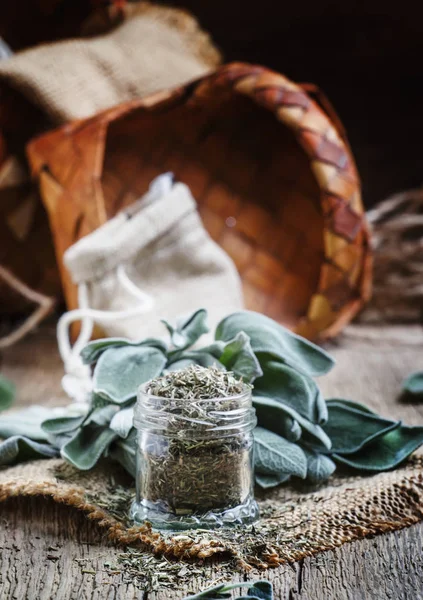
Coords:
294,523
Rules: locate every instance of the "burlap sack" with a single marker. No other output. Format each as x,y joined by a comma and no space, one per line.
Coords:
157,48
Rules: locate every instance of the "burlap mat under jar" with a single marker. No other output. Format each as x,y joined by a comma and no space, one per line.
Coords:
296,521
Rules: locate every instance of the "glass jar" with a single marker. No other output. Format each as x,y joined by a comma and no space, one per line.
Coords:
194,461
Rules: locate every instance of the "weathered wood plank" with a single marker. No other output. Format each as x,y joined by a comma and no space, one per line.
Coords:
388,566
34,533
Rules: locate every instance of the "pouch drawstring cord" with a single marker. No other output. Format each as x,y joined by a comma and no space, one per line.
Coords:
77,381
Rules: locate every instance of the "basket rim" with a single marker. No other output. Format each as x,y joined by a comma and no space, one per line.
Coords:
330,157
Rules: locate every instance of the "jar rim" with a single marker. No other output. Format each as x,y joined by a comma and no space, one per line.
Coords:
153,413
142,391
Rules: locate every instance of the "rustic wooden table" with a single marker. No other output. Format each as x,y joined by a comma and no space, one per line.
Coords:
48,550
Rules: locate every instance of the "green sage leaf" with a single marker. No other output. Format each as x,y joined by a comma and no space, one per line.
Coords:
321,413
269,481
351,404
99,402
7,393
319,466
269,338
87,446
314,437
273,454
178,365
93,350
413,385
276,411
120,371
260,590
19,448
238,356
102,415
188,329
60,425
124,452
297,390
193,357
270,416
216,348
350,429
122,422
60,439
25,423
385,452
218,592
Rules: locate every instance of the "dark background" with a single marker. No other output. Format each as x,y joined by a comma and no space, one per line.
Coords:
366,56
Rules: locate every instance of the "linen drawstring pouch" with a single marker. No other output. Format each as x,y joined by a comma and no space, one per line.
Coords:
153,261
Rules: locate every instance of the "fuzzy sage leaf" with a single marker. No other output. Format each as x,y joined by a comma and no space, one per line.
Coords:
93,350
60,425
319,466
85,448
188,329
19,448
257,590
218,592
179,365
269,481
385,452
270,416
120,371
276,411
351,429
122,422
274,454
26,423
184,359
124,452
288,386
238,357
413,386
260,590
102,415
351,404
7,393
269,338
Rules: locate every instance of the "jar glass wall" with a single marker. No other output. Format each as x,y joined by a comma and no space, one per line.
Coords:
194,461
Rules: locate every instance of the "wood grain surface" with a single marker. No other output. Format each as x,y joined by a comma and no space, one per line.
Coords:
48,551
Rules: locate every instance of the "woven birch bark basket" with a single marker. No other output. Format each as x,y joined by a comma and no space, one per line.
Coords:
155,46
271,171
